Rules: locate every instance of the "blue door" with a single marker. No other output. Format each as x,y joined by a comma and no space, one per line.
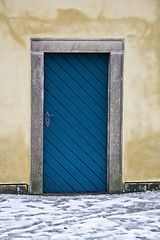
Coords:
75,122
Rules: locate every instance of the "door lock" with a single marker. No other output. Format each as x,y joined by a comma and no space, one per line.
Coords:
48,118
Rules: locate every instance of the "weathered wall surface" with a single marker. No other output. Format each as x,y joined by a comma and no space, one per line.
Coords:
136,21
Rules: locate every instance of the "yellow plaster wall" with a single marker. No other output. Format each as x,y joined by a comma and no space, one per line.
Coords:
138,21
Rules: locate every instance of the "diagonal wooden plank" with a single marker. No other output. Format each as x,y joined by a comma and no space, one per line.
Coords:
75,111
77,138
82,161
60,168
83,103
78,163
73,137
85,67
65,68
75,121
68,162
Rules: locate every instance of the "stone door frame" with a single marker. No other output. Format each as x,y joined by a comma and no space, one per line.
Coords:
115,49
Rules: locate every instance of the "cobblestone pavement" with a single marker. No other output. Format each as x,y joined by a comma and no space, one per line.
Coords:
124,216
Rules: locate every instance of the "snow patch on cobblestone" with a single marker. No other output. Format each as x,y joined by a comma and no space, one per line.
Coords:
125,216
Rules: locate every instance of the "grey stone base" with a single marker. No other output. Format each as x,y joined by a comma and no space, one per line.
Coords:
13,188
141,187
127,187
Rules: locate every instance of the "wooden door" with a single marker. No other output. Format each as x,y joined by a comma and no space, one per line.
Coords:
75,122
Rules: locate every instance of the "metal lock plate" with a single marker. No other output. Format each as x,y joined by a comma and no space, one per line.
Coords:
48,118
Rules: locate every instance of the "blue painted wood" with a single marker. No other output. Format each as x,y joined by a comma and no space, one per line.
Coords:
75,142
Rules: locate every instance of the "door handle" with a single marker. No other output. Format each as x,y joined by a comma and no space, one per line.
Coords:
48,118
